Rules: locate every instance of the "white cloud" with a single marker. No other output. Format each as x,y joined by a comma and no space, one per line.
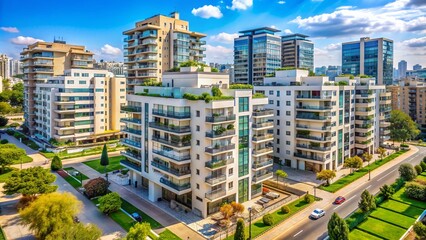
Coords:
333,47
110,50
21,40
240,4
344,7
329,55
224,37
274,27
288,31
397,16
219,54
10,29
207,11
415,42
412,50
281,2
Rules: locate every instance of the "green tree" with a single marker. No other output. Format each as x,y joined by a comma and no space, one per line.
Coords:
402,127
105,160
353,162
50,214
407,172
79,231
418,169
9,154
5,108
386,191
30,182
326,175
423,165
337,228
96,187
56,163
268,219
381,151
3,121
420,229
367,202
110,203
138,231
280,174
5,84
239,232
367,156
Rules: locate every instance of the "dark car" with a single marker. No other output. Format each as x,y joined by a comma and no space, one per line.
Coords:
137,217
339,200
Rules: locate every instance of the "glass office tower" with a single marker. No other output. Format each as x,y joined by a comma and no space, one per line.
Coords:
297,51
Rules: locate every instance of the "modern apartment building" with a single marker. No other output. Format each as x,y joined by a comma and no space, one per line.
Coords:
417,67
158,44
4,66
402,69
371,57
81,106
420,73
395,91
198,154
297,51
257,53
42,60
412,99
117,68
319,123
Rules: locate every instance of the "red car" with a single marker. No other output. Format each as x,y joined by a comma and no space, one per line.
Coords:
339,200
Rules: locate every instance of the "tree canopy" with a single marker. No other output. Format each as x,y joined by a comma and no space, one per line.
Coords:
12,99
79,231
337,228
9,154
353,162
326,175
138,231
30,182
402,127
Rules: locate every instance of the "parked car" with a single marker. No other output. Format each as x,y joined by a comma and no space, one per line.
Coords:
339,200
137,217
317,213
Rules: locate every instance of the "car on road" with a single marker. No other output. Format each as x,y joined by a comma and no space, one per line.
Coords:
339,200
137,217
317,213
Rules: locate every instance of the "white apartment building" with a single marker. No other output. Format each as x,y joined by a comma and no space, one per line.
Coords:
319,122
81,106
195,153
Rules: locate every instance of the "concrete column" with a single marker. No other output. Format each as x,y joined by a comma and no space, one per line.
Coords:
154,191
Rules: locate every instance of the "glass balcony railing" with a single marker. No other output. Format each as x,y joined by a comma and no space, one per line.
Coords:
214,134
131,154
131,109
263,176
174,171
178,115
263,124
132,130
313,137
132,120
263,112
217,148
313,147
172,155
131,142
262,163
218,193
213,180
219,163
170,128
310,157
176,186
130,165
171,142
214,119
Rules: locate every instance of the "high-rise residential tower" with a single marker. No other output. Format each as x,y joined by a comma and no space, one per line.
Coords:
257,53
402,69
4,66
297,51
417,67
42,60
371,57
158,44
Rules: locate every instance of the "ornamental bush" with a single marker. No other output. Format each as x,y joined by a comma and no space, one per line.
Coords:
308,198
407,172
96,187
56,164
415,190
110,203
268,219
418,169
4,141
423,165
285,209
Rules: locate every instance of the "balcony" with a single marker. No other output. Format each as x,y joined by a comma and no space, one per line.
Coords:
132,131
217,119
213,195
217,149
262,177
262,151
218,163
309,97
214,134
304,146
172,156
170,128
263,124
312,117
323,139
131,109
263,137
261,164
263,112
131,165
324,128
132,155
131,120
131,143
177,172
175,186
214,180
173,143
310,157
314,108
363,145
169,114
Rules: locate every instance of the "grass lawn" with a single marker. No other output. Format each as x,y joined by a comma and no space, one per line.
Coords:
357,234
258,227
402,208
421,177
72,181
169,235
400,196
393,217
114,164
64,155
7,173
382,229
122,219
24,159
71,169
339,184
128,207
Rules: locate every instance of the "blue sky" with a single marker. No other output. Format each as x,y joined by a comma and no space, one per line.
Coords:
99,24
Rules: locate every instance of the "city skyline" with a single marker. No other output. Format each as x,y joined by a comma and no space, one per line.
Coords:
221,20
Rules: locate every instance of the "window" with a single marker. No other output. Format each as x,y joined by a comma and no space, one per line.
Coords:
278,103
122,83
99,75
230,185
198,142
198,156
278,132
288,93
278,93
199,199
197,113
198,186
278,112
198,171
99,90
288,123
122,90
288,103
278,122
82,82
278,150
230,171
287,142
271,101
287,152
271,92
287,113
76,74
84,74
70,81
198,128
287,133
278,141
243,104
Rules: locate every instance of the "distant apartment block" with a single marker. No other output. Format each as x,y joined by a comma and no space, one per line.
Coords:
257,53
43,60
319,123
402,69
4,66
417,67
117,68
420,73
81,106
371,57
297,51
330,71
158,44
198,154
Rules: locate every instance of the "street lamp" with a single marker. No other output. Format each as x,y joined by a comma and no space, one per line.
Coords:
315,192
369,172
249,209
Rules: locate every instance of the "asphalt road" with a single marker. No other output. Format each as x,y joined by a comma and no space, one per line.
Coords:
317,229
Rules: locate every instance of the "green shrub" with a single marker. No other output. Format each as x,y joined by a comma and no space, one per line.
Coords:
418,169
216,92
4,141
268,219
240,86
56,164
11,132
420,229
415,190
110,203
3,121
308,198
404,145
14,125
424,158
356,218
96,187
285,209
423,165
239,232
407,172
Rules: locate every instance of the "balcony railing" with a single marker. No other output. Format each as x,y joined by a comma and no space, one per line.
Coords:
174,171
131,165
263,124
312,116
215,179
172,156
131,109
218,193
132,120
310,157
313,97
212,134
171,142
313,148
262,163
216,149
132,130
170,128
131,142
262,137
262,150
260,177
314,107
214,119
131,154
178,115
263,112
314,128
176,186
218,163
313,137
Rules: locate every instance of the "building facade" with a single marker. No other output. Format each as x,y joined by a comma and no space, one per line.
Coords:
81,106
117,68
417,67
371,57
197,154
402,69
42,60
158,44
4,66
412,99
319,123
297,51
257,53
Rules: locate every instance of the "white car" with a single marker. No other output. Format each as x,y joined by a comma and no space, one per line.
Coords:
317,213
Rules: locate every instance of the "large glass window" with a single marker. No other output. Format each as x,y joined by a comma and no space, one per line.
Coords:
243,104
243,146
243,187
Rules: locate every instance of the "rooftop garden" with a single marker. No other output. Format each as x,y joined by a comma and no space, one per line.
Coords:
192,63
259,95
240,86
217,95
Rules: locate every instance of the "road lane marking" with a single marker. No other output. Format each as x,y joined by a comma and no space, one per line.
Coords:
368,187
298,233
378,180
